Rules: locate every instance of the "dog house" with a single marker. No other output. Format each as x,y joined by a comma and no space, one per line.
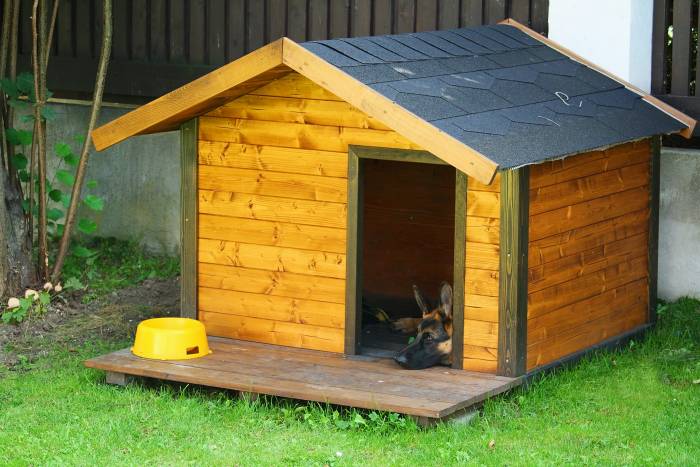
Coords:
320,176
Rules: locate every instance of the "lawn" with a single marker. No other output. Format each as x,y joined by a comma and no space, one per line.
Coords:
640,405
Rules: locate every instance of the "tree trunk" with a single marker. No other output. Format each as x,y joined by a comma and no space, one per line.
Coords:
16,265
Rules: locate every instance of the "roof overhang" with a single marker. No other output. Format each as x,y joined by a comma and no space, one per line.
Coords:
284,56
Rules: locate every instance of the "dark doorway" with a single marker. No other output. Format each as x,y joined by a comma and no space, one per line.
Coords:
408,232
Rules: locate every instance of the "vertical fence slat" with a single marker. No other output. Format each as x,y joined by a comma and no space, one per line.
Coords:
25,27
83,28
495,11
276,19
120,36
520,11
216,32
680,66
139,30
382,17
360,18
64,28
472,13
405,15
658,47
339,18
255,25
697,60
539,16
235,29
97,12
195,31
296,20
176,31
448,14
157,36
426,15
318,20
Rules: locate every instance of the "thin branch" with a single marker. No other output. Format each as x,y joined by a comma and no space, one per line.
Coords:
40,137
85,152
49,38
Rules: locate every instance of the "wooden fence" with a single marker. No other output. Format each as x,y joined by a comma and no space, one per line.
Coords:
162,44
675,73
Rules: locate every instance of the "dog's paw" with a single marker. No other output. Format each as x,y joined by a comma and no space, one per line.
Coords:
406,325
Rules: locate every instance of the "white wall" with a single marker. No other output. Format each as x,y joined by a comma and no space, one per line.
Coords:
614,34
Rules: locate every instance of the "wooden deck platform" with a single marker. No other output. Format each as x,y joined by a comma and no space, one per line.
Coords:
370,383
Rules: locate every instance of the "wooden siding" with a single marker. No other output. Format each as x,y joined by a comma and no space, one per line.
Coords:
273,213
272,221
588,277
481,276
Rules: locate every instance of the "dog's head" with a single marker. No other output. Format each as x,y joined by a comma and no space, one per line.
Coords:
433,343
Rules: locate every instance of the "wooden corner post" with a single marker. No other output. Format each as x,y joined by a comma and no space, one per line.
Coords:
654,193
353,262
188,219
512,295
460,246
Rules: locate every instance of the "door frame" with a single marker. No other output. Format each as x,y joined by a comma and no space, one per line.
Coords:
353,288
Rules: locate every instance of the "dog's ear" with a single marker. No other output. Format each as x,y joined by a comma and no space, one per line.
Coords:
422,304
446,300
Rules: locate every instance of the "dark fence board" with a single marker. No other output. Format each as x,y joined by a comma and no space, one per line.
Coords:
178,40
680,79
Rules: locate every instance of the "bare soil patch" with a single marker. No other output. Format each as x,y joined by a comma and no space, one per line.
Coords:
70,323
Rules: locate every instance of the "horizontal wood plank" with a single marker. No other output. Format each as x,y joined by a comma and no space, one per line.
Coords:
274,159
481,282
277,283
295,85
273,208
480,333
272,258
588,212
269,233
297,110
270,307
590,236
273,332
483,204
475,364
482,256
309,187
297,135
483,230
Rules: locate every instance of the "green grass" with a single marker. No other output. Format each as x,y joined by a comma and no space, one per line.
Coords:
116,264
639,406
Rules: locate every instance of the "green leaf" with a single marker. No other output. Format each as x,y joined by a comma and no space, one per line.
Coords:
18,104
65,200
25,83
59,230
82,252
23,176
65,177
87,226
44,298
62,149
72,160
73,283
48,113
92,184
54,214
94,202
28,118
9,87
25,205
19,137
56,195
19,161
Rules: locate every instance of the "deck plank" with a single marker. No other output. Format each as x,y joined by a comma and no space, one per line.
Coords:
375,384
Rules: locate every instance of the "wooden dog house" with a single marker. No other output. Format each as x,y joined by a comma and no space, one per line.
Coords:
320,174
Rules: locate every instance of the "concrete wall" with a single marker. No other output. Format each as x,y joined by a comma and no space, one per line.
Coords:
139,180
679,219
614,34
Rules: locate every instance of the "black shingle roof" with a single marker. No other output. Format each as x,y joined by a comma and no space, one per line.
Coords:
499,91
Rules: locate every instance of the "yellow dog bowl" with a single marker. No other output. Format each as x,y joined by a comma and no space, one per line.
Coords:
170,339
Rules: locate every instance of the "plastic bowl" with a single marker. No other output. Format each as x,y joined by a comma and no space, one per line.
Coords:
170,339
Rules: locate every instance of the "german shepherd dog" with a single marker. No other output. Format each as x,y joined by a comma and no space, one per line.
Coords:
433,342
